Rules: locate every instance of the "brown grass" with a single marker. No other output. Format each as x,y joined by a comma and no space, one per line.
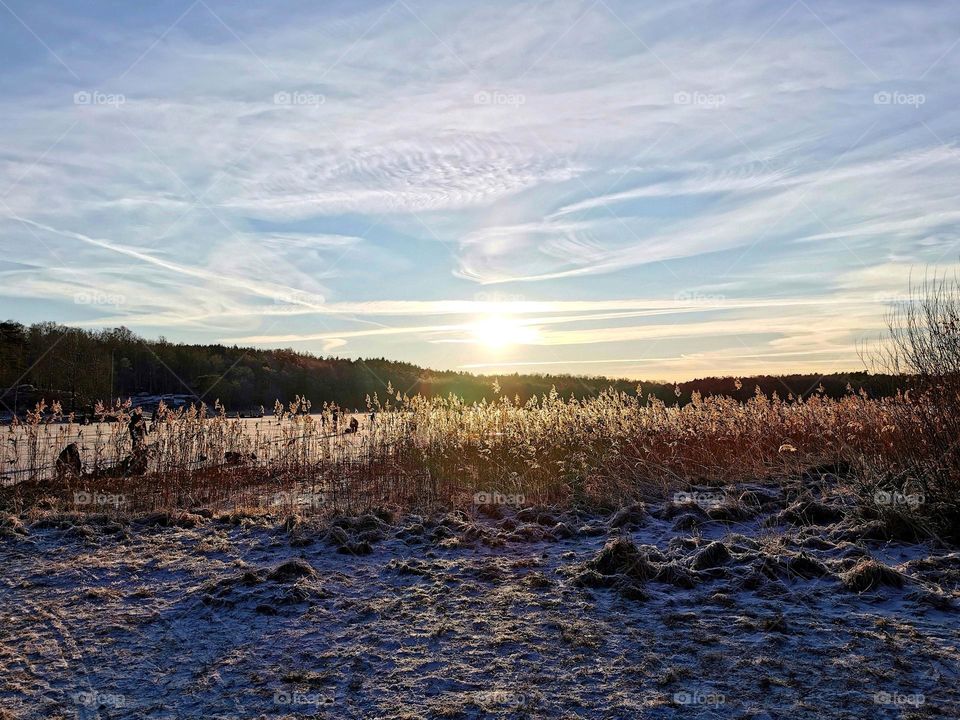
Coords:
608,450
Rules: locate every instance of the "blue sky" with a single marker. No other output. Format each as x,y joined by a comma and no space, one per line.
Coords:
646,190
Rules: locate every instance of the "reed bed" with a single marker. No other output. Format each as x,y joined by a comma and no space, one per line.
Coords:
424,452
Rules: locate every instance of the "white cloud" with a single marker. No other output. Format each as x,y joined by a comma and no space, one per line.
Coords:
561,144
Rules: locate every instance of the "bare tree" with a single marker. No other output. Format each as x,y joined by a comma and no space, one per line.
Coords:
923,346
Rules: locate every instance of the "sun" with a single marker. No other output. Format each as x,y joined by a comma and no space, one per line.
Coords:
502,331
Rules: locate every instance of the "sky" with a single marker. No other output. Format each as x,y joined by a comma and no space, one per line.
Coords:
652,190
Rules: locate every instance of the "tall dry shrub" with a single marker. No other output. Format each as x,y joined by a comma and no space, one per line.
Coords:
923,346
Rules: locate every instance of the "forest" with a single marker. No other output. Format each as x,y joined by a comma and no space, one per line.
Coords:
80,367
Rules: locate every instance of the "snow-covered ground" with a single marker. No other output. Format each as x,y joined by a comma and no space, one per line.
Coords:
763,609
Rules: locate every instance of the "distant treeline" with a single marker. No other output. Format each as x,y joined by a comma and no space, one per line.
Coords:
79,367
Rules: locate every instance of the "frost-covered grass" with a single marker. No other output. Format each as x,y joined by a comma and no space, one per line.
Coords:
763,601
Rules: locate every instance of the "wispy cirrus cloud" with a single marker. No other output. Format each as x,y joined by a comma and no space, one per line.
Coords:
333,175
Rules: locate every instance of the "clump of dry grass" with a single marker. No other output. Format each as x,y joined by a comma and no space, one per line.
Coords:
11,527
868,574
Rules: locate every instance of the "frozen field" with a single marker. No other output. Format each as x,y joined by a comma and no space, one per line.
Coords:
767,608
265,436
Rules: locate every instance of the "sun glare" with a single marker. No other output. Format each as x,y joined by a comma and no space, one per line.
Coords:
499,331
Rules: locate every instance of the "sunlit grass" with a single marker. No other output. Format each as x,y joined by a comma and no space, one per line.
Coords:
415,451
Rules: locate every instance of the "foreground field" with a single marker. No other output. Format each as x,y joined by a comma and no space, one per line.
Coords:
754,602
